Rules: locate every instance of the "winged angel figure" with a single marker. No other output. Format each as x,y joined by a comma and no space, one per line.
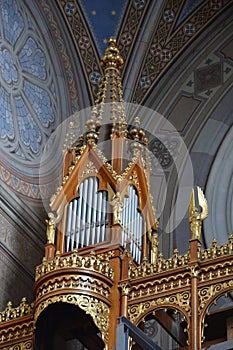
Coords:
196,217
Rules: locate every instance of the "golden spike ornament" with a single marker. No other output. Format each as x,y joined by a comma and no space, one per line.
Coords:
196,217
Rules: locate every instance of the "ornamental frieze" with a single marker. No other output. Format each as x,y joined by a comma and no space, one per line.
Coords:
216,271
74,261
11,313
27,345
81,284
148,269
162,285
16,332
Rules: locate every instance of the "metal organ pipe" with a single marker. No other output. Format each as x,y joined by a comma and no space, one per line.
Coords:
136,225
124,221
78,223
83,213
132,223
94,211
140,238
68,229
132,219
135,228
98,222
86,216
89,209
103,216
73,224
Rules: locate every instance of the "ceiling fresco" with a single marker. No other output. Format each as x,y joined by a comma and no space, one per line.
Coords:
103,18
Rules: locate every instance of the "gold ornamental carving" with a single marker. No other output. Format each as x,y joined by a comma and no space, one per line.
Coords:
79,283
74,260
163,285
11,313
98,310
194,270
216,271
195,217
89,170
216,251
117,207
17,333
183,300
206,293
154,247
20,346
125,288
51,227
161,265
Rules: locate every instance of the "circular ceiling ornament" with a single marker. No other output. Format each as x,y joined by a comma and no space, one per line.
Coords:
28,92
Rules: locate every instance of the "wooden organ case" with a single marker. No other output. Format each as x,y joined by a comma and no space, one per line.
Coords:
101,257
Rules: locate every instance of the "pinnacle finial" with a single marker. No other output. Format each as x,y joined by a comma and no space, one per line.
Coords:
112,58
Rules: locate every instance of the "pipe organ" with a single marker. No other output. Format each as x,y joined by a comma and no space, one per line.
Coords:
101,258
87,216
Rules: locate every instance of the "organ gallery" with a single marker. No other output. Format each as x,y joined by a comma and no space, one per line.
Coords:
102,265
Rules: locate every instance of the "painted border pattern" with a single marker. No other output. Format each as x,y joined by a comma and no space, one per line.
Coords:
168,43
84,43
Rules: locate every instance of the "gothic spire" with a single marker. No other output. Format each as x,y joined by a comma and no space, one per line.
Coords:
110,90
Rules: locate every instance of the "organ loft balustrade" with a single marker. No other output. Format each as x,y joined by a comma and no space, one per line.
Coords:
102,258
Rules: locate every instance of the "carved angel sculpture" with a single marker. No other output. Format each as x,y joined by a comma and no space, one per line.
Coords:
196,217
50,233
117,204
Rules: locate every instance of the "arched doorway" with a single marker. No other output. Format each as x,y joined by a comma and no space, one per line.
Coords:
66,327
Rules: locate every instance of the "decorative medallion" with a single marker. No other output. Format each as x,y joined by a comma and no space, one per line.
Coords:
28,93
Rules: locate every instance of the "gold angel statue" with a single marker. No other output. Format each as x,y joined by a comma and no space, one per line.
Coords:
196,217
50,233
153,237
117,205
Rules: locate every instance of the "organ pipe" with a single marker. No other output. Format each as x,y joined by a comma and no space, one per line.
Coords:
132,223
87,216
94,211
78,225
84,210
89,210
69,220
73,225
103,216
